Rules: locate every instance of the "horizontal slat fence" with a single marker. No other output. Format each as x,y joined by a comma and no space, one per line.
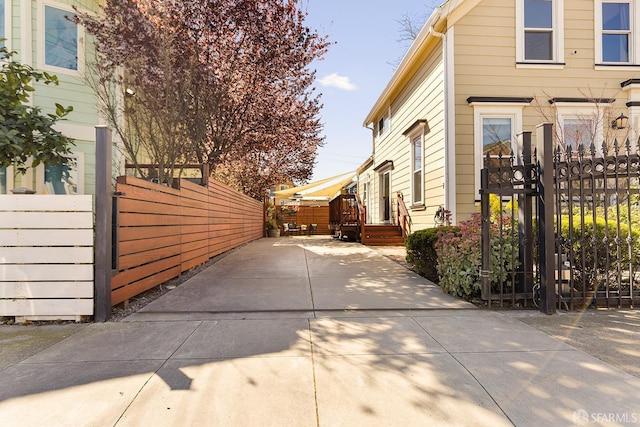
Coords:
46,257
164,231
306,215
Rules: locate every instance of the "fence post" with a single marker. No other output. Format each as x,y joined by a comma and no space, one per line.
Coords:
545,218
485,282
525,219
103,251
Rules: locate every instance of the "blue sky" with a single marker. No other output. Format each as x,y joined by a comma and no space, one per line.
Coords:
355,71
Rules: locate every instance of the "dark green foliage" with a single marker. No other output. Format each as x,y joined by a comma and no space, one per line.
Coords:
590,243
26,134
421,251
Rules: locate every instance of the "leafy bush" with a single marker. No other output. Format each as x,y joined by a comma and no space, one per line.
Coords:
459,254
589,236
421,251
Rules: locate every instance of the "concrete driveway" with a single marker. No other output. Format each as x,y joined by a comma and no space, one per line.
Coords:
311,331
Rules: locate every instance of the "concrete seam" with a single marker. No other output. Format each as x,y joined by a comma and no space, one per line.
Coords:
468,371
155,373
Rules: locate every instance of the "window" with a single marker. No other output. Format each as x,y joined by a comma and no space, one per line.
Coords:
540,28
64,179
496,125
417,170
383,125
616,32
59,43
580,123
497,137
3,180
616,42
3,24
578,131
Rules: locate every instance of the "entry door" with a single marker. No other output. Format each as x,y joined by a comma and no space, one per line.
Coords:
385,193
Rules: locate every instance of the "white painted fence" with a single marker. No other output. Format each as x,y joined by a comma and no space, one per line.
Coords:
46,257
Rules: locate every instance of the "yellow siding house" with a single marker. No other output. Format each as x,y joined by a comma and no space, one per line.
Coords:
481,72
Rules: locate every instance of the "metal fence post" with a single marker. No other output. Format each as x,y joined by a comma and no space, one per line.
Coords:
485,281
103,250
525,219
546,234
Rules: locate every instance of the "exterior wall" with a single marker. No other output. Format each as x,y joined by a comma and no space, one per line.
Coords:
485,66
25,38
422,98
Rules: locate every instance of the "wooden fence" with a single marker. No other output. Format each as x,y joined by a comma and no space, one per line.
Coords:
305,215
46,257
164,231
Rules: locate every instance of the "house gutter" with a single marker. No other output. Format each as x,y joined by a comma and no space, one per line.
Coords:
449,183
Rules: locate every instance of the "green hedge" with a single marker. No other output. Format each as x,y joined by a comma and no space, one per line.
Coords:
590,236
421,251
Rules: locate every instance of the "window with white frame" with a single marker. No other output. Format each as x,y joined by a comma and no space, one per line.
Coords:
383,125
616,31
578,131
3,180
540,31
495,130
579,125
64,179
60,39
417,170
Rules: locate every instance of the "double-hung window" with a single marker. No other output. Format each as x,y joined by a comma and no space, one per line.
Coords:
540,30
60,41
616,28
417,170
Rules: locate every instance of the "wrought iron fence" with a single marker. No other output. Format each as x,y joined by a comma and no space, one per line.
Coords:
567,238
598,225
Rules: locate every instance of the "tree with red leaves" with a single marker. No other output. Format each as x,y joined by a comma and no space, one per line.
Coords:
223,82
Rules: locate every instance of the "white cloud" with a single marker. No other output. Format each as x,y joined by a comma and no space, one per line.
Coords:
337,81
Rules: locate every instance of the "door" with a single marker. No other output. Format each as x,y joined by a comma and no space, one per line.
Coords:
385,196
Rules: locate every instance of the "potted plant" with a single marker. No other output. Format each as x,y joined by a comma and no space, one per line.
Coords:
272,228
272,225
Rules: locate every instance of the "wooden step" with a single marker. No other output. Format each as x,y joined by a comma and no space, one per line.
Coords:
383,241
382,235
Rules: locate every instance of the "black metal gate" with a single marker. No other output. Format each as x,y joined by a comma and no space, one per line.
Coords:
567,238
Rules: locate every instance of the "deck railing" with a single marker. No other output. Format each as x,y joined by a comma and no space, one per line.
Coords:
404,219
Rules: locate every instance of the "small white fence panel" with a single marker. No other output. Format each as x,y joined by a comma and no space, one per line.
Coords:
46,257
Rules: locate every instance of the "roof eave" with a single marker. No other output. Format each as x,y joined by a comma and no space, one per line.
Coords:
416,47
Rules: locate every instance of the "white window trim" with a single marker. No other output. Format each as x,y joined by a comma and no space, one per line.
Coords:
40,184
634,42
558,38
41,36
387,125
584,111
10,185
418,133
511,110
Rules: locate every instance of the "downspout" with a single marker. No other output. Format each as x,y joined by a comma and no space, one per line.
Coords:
449,136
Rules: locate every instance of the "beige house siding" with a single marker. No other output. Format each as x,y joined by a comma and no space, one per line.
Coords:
421,99
485,65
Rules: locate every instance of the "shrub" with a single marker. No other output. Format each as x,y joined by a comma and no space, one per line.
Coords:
459,254
421,251
589,236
